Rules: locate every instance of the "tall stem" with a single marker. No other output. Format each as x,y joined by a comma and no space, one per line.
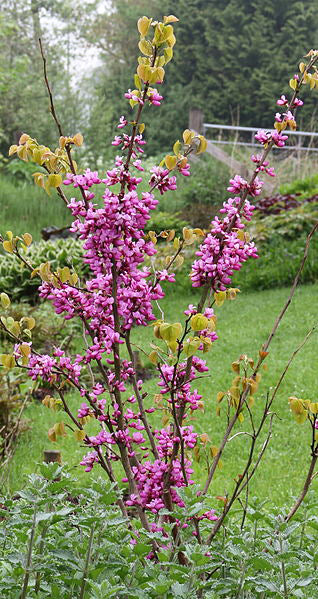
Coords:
88,557
306,486
28,560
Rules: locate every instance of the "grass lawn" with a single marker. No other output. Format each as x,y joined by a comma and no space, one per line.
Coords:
243,325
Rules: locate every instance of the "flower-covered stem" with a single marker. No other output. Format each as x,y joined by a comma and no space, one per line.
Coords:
116,344
267,150
135,126
101,367
143,416
122,448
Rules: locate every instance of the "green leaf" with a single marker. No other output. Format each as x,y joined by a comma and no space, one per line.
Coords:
142,549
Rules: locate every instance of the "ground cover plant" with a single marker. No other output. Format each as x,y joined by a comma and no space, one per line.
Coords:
168,518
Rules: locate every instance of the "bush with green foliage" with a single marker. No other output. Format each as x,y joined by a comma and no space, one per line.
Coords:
61,540
16,276
166,517
306,187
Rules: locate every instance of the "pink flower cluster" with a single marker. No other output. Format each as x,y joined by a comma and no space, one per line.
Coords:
125,142
177,383
223,251
265,137
48,368
161,180
150,483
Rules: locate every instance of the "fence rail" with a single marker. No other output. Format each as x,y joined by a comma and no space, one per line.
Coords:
298,134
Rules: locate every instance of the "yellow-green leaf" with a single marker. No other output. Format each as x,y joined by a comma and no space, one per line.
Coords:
199,322
220,297
145,47
170,19
191,346
79,435
143,25
170,161
5,300
27,238
54,180
8,246
170,332
188,136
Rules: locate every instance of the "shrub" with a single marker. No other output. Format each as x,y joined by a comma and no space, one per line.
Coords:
119,295
288,224
60,540
16,276
306,187
282,203
271,268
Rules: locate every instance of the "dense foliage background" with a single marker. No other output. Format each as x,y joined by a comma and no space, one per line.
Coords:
230,60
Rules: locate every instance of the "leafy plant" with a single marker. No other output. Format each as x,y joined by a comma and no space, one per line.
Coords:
118,294
58,539
15,274
305,188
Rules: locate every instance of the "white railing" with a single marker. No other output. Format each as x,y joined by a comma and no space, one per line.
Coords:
296,147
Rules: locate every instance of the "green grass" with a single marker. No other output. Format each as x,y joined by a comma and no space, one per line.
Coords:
243,326
27,208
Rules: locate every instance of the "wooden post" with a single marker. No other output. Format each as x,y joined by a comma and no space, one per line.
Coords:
52,455
196,120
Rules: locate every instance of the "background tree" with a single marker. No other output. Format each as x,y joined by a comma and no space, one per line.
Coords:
24,102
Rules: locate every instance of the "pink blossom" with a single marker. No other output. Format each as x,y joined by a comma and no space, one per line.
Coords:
122,122
279,139
154,97
164,275
89,460
282,101
262,136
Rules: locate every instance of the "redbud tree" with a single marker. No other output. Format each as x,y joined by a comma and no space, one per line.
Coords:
122,293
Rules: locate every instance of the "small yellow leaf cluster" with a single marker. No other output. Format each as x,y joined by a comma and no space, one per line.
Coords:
156,46
172,335
52,403
11,244
54,163
189,236
303,409
307,76
190,138
229,294
192,142
242,383
57,278
21,329
76,140
205,449
58,430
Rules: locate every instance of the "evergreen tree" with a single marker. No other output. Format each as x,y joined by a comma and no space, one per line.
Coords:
233,56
